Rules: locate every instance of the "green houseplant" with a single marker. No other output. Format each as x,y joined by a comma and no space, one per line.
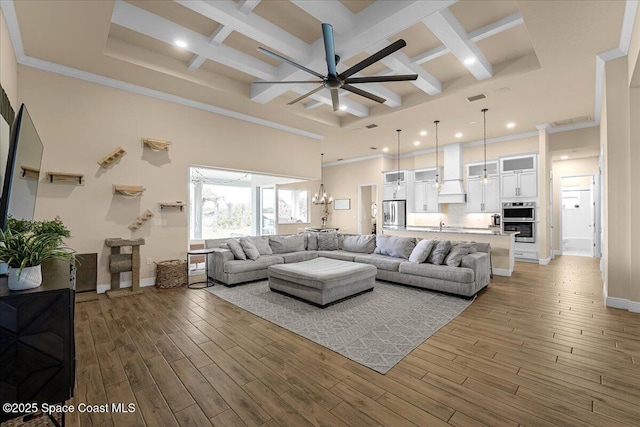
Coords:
26,248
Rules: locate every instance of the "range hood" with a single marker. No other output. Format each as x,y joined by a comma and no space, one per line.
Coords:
452,190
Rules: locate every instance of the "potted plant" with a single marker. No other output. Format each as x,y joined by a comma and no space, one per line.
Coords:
25,250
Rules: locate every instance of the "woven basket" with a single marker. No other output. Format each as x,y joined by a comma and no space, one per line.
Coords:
171,273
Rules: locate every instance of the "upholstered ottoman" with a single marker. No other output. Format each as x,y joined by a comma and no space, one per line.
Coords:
322,281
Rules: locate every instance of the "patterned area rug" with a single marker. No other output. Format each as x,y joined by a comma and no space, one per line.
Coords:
376,329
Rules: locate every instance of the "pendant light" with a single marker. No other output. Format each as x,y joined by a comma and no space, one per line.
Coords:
485,177
398,160
437,184
321,198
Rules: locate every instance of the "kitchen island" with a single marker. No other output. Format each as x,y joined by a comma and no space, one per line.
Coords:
502,243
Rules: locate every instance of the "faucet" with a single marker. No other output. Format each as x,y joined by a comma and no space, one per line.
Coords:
441,224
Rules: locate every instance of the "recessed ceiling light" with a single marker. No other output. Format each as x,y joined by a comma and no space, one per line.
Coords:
385,149
469,61
423,133
459,135
565,157
511,125
181,43
416,143
343,107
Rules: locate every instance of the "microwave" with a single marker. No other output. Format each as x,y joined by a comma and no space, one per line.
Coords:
526,230
518,211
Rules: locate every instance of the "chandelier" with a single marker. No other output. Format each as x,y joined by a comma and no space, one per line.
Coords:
321,198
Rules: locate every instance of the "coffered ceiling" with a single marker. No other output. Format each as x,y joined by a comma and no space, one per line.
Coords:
535,61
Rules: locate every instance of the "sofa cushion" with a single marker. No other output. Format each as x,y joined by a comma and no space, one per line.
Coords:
442,272
299,256
439,252
382,262
340,255
249,248
395,246
328,241
236,249
361,243
422,250
262,244
262,263
311,239
454,257
286,244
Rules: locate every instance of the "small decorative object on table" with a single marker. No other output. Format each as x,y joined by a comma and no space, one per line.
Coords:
171,273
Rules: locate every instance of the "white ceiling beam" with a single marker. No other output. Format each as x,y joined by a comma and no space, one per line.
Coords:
353,107
480,34
247,6
446,27
141,21
253,26
313,104
329,11
377,22
216,39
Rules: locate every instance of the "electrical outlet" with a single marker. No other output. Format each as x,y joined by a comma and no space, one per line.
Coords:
149,261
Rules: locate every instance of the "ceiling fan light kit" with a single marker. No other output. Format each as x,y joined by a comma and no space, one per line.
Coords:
334,81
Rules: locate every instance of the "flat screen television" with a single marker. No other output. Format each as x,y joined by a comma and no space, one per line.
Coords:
22,156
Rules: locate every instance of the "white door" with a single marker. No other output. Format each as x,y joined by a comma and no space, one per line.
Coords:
577,221
509,185
528,185
474,195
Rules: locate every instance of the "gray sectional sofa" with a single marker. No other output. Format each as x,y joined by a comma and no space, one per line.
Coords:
396,258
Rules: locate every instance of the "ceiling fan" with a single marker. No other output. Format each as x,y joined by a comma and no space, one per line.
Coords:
334,81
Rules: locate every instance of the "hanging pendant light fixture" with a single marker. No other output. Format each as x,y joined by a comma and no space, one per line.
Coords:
485,177
321,197
437,184
398,161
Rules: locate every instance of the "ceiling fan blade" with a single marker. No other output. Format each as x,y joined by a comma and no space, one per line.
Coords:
329,49
290,62
397,45
291,81
300,98
335,99
364,93
382,79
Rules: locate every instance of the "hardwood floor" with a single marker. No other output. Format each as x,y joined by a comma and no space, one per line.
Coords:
538,348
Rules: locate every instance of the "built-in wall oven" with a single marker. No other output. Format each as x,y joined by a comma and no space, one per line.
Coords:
518,211
526,229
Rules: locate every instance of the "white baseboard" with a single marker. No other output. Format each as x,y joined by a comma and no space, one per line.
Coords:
150,281
501,272
557,252
634,306
623,304
544,261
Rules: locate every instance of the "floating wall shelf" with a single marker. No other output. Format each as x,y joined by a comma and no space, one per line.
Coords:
129,190
146,216
65,177
108,160
156,144
172,205
27,172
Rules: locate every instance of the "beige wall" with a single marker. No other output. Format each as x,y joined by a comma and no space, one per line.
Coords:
80,122
500,149
8,65
575,139
565,168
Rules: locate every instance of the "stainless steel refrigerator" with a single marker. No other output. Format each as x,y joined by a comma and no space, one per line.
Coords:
394,213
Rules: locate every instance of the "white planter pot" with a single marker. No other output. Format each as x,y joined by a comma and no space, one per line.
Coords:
30,277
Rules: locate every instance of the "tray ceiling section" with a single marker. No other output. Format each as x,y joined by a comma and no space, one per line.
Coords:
222,37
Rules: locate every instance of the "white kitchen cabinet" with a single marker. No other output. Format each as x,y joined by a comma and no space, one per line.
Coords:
395,185
483,198
518,177
424,198
528,184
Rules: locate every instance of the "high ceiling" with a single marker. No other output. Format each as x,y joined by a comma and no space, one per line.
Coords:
534,60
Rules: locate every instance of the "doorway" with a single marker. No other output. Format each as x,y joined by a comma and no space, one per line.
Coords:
578,216
367,208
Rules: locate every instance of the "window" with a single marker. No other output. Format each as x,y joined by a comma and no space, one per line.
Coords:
293,206
225,211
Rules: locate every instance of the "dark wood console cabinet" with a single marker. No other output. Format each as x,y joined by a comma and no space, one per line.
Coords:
37,348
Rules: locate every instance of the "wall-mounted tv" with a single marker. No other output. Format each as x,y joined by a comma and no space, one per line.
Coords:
22,155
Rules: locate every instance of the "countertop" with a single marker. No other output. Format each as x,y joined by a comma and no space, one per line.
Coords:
454,230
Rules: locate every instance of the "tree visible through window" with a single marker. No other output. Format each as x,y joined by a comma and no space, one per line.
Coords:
226,211
293,206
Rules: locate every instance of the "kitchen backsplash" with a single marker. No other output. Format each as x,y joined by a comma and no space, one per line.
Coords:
453,215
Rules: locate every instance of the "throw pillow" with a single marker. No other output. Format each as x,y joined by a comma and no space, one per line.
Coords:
262,244
422,251
364,244
249,248
439,252
328,241
454,258
395,246
236,249
312,241
286,244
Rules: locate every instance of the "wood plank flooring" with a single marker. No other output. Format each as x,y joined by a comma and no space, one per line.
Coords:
538,348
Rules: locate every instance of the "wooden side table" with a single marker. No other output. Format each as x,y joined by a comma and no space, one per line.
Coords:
208,281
